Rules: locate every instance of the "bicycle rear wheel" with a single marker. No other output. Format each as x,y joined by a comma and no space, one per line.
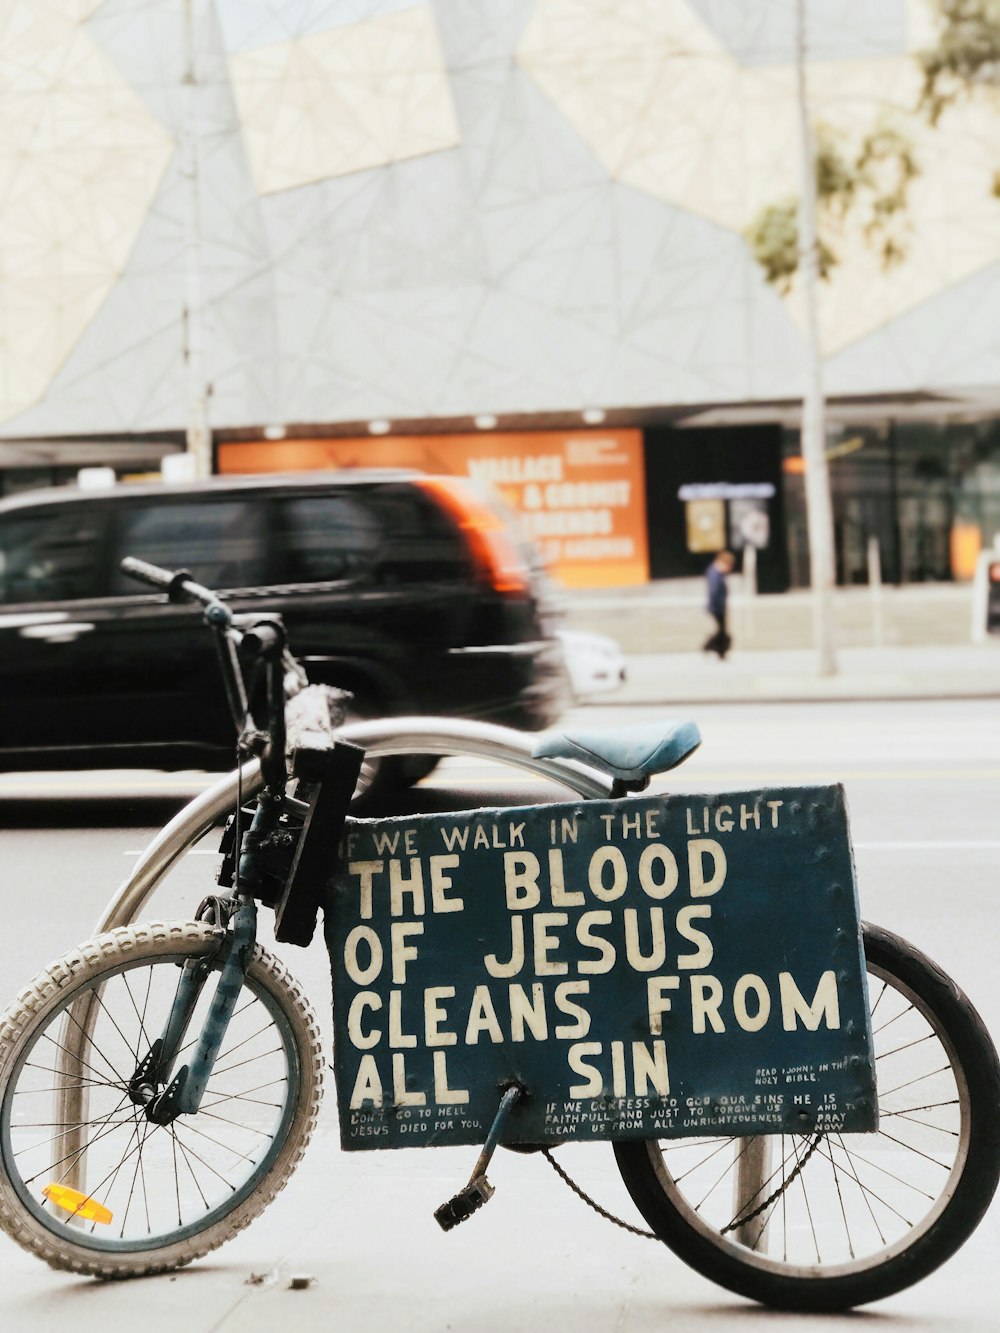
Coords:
862,1215
110,1193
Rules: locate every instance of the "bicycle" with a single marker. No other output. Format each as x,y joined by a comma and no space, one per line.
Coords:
131,1141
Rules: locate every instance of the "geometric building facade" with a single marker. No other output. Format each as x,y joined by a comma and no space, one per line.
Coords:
319,213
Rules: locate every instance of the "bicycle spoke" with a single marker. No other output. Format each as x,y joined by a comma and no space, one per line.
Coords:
918,1041
910,1082
926,1124
130,1186
236,1014
70,1128
74,1157
112,1020
927,1106
861,1189
198,1158
227,1147
805,1197
117,1080
187,1163
245,1096
145,1004
144,1132
239,1124
868,1193
877,1031
723,1144
112,1176
226,1069
74,1080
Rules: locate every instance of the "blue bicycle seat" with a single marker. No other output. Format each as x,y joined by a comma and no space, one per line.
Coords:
630,754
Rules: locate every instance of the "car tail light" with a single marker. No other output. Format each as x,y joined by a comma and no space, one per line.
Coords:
497,557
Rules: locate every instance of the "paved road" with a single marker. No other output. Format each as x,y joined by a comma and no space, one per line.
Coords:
923,782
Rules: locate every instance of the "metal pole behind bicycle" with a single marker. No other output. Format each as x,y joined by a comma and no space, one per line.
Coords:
72,1095
753,1170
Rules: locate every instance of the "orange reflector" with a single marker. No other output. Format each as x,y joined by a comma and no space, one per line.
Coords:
76,1203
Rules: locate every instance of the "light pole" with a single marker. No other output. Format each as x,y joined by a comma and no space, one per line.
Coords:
819,509
198,431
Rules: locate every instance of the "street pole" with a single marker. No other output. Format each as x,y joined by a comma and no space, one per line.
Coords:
198,431
819,509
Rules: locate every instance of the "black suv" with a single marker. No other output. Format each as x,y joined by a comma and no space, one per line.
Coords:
413,592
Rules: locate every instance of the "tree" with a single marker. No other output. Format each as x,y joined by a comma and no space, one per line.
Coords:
872,180
967,54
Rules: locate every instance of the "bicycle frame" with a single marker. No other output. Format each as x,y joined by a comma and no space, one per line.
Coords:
402,735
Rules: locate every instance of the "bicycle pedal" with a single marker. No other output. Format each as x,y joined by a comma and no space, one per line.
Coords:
462,1205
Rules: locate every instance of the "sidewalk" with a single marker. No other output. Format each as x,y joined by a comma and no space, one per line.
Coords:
357,1231
903,643
669,616
933,672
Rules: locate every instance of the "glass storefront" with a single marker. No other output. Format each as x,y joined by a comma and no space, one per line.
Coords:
922,498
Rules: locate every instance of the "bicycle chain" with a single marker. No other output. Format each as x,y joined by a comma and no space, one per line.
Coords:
651,1235
603,1212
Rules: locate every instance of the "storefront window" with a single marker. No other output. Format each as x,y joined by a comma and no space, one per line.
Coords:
920,498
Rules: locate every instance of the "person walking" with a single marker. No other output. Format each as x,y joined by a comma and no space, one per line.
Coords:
718,593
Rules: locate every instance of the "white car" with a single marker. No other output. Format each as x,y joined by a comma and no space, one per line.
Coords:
595,664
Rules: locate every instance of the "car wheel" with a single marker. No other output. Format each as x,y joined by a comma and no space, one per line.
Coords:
383,776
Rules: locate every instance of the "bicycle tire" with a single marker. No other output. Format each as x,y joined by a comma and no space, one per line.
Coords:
132,972
909,993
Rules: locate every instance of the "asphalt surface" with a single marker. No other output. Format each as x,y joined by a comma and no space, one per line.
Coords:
351,1242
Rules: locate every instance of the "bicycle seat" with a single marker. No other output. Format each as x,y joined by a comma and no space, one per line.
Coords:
630,754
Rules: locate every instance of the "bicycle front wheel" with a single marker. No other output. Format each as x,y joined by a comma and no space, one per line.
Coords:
101,1190
839,1220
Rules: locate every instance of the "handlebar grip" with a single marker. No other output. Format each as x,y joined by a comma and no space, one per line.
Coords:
262,638
177,583
144,572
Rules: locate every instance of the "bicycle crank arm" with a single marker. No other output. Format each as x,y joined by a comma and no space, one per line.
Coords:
461,1206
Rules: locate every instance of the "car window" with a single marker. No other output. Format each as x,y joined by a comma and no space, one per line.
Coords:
322,538
221,543
50,555
423,543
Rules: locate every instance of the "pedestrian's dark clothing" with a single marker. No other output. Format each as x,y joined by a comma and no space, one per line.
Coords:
718,594
717,591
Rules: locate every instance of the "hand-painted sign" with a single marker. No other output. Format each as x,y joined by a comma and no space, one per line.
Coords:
651,967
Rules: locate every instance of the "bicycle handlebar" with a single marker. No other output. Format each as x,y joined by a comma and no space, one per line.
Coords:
177,584
262,640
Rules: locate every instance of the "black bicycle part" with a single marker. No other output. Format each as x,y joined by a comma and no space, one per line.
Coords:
297,910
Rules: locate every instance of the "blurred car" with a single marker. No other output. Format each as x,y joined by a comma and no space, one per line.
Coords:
411,591
595,664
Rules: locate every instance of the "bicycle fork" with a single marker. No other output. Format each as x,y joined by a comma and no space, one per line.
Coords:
183,1093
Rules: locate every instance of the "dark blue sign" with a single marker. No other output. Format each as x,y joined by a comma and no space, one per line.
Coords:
652,967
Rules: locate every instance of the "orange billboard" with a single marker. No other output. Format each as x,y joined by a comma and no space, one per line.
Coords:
581,495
